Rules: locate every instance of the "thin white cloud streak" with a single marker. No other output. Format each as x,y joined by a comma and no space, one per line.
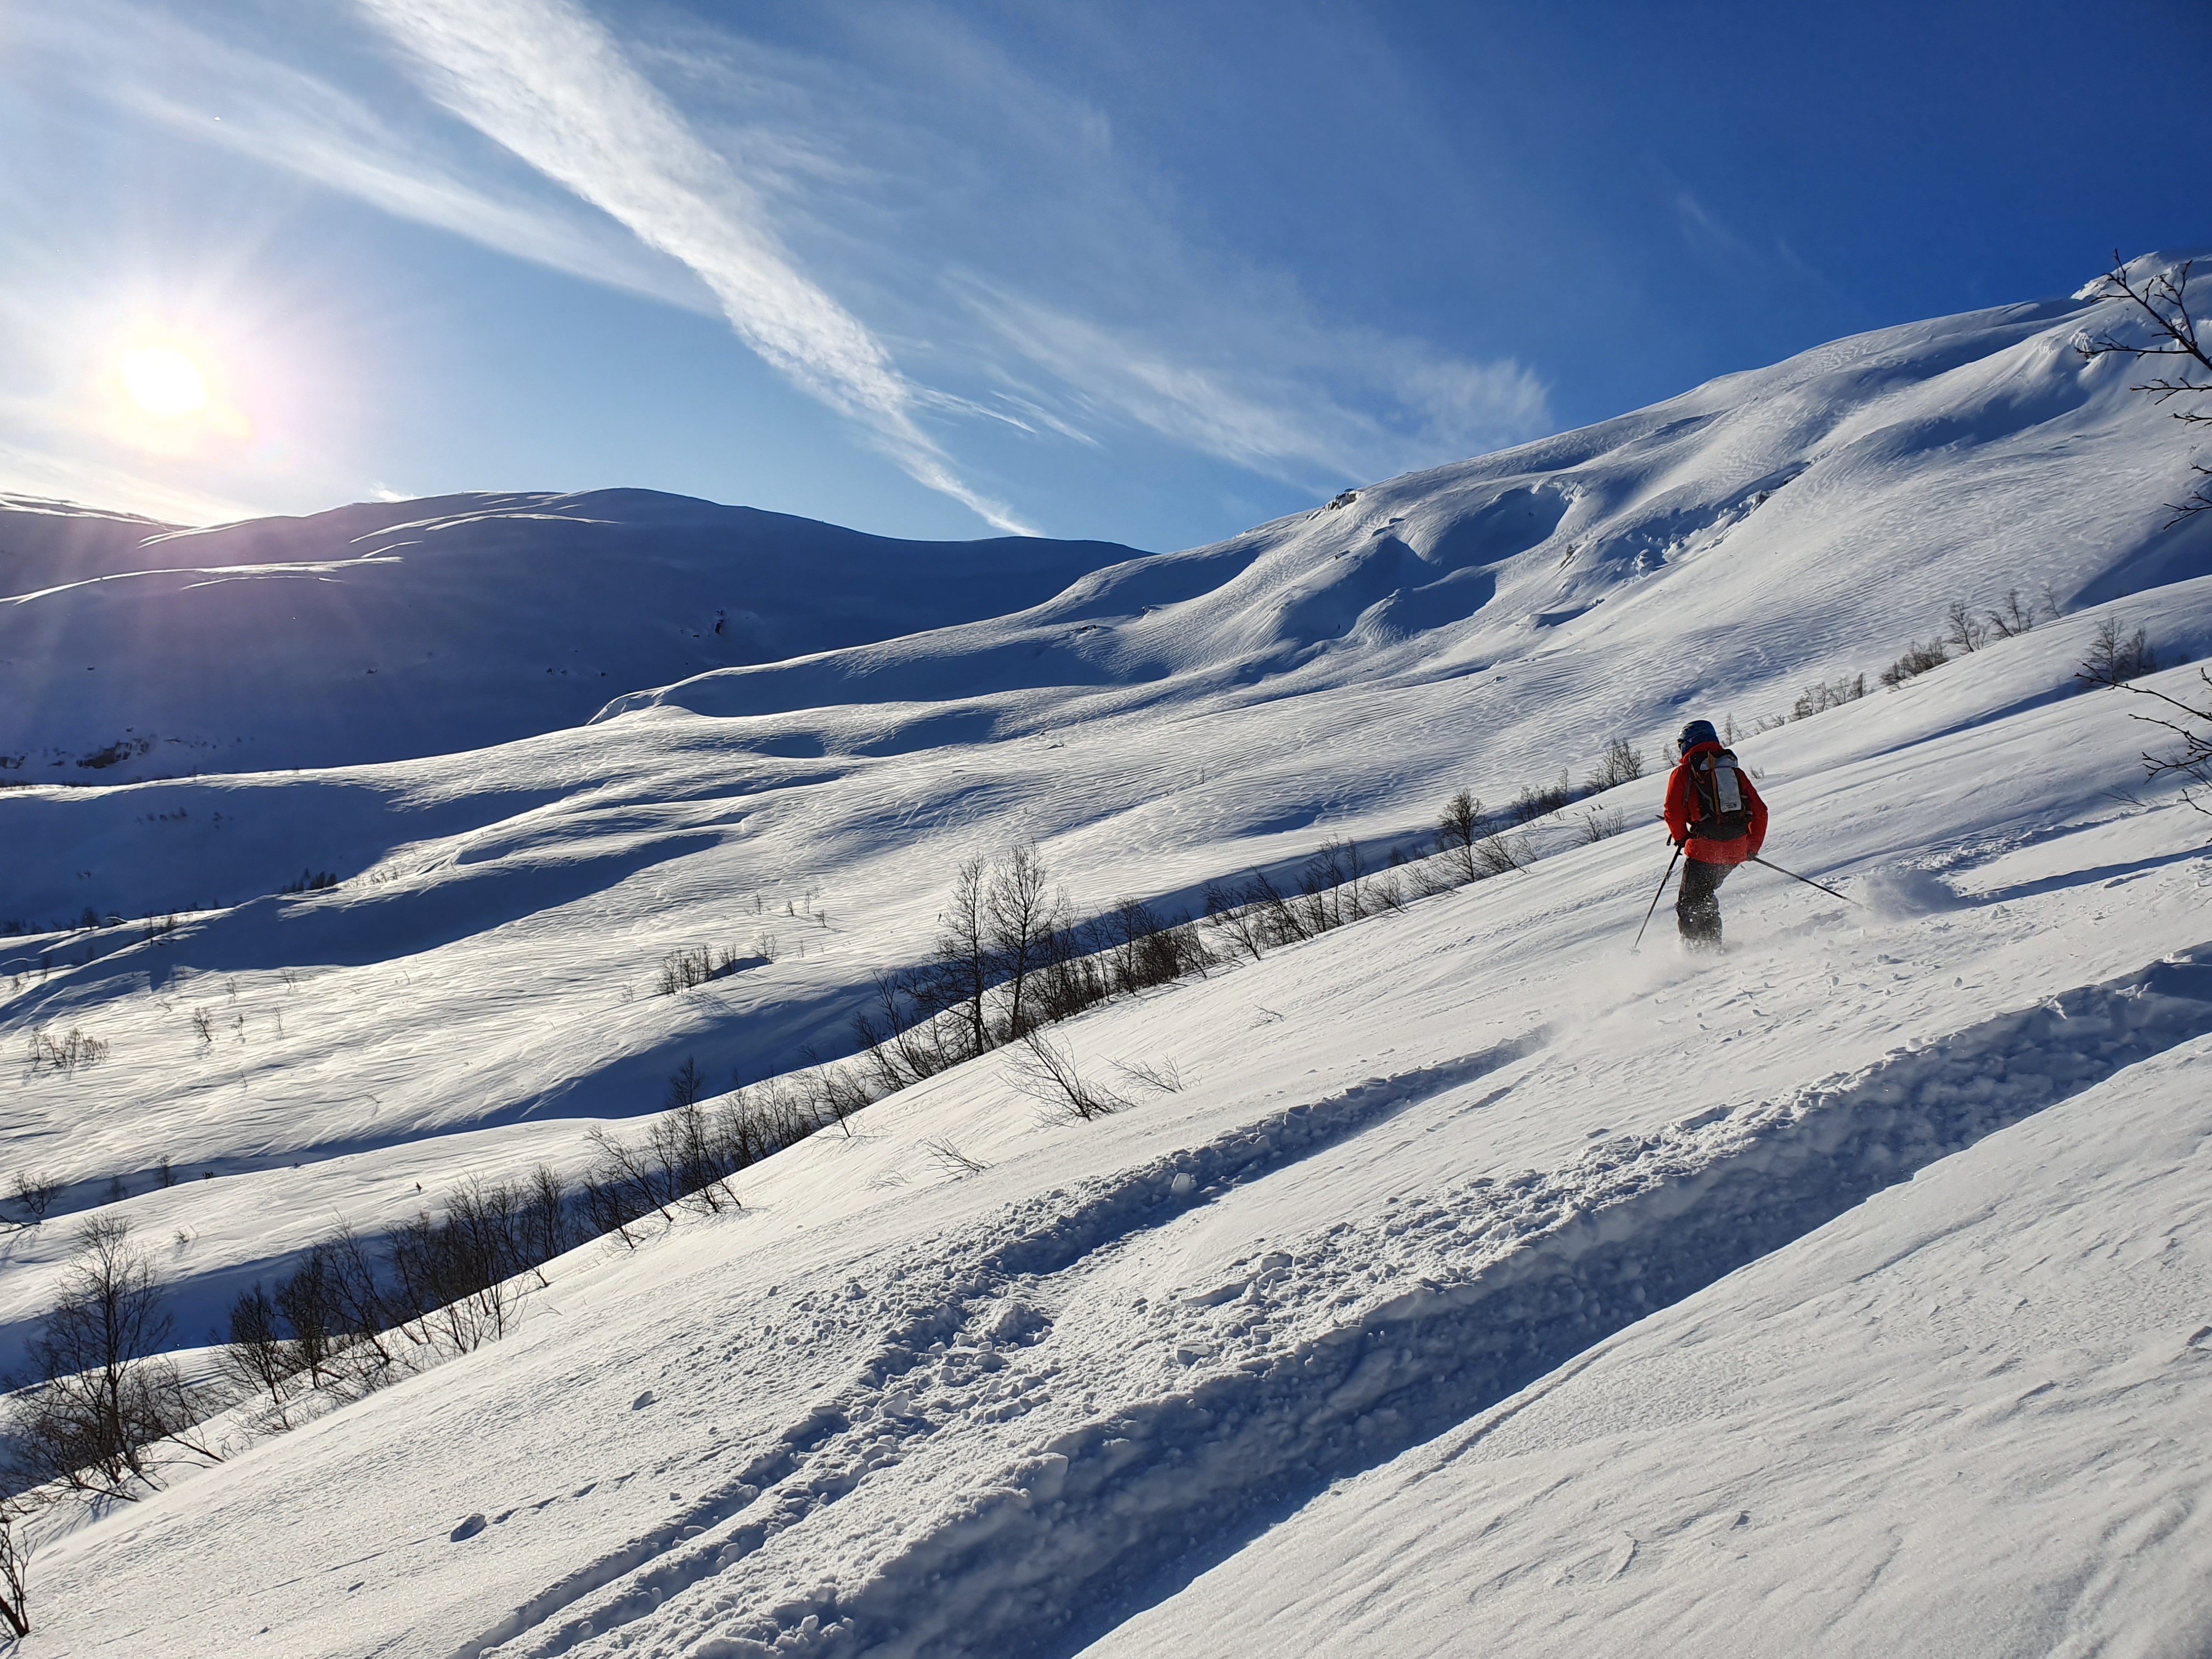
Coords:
547,81
128,58
1277,421
1118,320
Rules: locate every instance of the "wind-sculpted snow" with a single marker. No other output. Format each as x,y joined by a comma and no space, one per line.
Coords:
1324,1356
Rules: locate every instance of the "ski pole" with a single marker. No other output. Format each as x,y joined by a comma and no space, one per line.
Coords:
1794,876
1654,911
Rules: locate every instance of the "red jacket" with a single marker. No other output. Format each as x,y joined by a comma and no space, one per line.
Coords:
1684,811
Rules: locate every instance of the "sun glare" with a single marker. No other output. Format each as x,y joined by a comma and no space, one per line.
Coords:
164,382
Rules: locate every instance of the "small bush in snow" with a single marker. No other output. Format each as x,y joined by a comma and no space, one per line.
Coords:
1600,823
2116,656
951,1159
1916,660
1461,825
1502,854
1045,1072
66,1053
1818,698
1531,804
2013,615
36,1193
15,1557
1623,763
103,1395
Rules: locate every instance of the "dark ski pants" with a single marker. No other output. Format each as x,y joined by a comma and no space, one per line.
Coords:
1697,906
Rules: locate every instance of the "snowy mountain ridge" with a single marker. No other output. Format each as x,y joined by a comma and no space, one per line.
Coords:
388,631
1461,1277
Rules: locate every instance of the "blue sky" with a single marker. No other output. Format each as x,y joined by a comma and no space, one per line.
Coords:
1150,272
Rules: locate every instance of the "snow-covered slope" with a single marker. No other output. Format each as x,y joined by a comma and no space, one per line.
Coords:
1177,1377
383,631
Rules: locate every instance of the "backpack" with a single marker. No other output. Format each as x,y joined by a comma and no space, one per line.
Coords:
1722,813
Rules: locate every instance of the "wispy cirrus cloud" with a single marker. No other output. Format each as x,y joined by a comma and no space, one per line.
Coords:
1286,409
140,63
549,84
1005,235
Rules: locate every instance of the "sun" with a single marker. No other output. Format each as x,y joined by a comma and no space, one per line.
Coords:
163,381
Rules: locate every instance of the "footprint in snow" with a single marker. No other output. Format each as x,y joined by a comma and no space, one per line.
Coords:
468,1528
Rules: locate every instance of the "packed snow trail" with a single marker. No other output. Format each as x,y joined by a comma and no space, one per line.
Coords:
1329,1357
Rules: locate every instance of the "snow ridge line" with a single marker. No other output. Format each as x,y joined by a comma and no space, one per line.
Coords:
1525,1275
1032,1238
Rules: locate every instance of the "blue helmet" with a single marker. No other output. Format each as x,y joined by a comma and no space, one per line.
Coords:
1695,733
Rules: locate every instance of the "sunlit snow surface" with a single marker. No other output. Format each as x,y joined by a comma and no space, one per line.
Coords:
1349,1346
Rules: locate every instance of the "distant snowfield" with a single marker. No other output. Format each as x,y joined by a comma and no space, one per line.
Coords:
1484,1285
388,631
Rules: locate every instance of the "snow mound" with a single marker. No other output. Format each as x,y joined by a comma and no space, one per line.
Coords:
1898,891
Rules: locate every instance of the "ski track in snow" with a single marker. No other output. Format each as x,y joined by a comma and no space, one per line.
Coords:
1327,1358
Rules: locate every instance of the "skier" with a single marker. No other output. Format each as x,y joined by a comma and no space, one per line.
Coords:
1718,819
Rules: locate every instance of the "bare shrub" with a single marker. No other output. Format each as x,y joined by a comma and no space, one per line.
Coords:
1019,915
1503,853
459,1275
546,1231
1389,891
102,1394
951,1159
1461,825
309,1306
2164,300
1834,694
1965,630
65,1053
2117,656
963,956
1225,909
14,1563
258,1357
692,966
2013,615
1163,1077
1533,802
1284,923
36,1193
1916,660
1623,763
625,1183
359,1306
1046,1072
2190,722
686,1084
1333,882
1600,823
